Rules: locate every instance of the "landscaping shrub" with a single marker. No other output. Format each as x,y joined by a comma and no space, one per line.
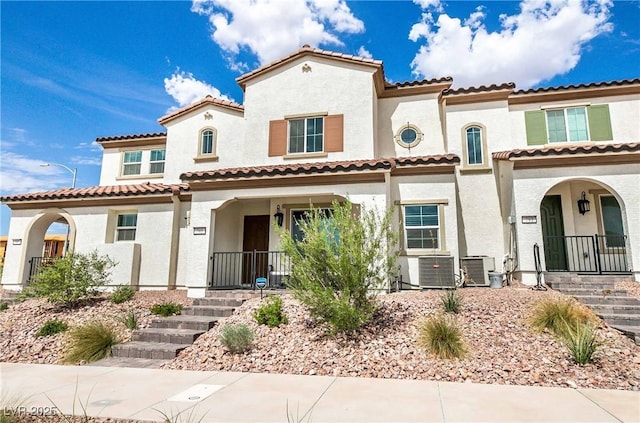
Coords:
270,312
557,315
166,309
236,338
90,342
72,279
451,301
51,327
441,337
130,320
343,257
581,341
4,305
122,293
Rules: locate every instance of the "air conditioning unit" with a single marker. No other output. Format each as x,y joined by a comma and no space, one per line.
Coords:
436,272
477,269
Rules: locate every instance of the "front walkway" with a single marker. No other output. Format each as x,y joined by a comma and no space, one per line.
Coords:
242,397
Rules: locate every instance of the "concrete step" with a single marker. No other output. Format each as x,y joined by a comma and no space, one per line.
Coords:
140,363
616,309
241,294
203,323
560,286
631,331
620,319
218,302
608,300
137,349
589,291
219,311
167,335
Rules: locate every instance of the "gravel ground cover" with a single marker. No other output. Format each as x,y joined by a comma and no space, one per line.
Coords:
19,324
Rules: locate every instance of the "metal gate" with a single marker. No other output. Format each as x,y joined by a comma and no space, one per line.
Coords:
598,254
36,264
239,269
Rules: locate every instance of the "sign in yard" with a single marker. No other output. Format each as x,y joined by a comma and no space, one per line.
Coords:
260,284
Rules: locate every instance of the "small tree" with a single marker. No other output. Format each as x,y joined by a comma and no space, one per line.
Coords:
344,256
73,278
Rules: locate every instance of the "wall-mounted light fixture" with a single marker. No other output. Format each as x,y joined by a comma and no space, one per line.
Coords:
583,204
278,216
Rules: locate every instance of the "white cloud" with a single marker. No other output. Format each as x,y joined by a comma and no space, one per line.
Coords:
20,174
86,160
429,4
363,52
544,40
273,28
185,88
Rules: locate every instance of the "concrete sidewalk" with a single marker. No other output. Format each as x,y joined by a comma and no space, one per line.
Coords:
145,394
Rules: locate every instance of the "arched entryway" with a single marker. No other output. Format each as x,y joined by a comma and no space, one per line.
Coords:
40,246
583,225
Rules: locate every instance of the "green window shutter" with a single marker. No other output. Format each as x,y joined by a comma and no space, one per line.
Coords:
536,127
600,123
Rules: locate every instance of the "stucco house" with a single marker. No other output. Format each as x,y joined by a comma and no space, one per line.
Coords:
482,171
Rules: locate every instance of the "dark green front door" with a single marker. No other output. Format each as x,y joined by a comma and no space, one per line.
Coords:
555,252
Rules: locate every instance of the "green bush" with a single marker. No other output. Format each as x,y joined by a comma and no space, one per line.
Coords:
130,320
270,313
90,342
51,327
4,305
451,301
557,315
441,337
166,309
343,258
72,279
236,338
122,293
581,341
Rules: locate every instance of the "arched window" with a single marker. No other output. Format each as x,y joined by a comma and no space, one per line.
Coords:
474,145
207,142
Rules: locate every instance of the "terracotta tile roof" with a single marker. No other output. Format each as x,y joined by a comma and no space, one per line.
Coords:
480,89
208,100
617,83
319,168
568,150
306,49
416,83
98,192
131,137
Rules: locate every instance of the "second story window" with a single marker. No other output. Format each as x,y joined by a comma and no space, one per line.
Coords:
132,163
156,161
207,142
578,123
474,145
306,135
567,124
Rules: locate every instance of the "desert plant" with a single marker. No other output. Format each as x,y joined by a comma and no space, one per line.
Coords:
581,341
122,293
51,327
270,312
236,338
90,342
441,337
342,258
185,416
451,301
166,309
129,320
557,315
72,279
4,305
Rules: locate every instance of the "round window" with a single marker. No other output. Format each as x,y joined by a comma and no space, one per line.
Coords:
408,136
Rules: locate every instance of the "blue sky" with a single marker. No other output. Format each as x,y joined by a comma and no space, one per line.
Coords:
75,71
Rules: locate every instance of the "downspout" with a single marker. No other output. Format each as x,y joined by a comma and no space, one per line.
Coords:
387,190
175,239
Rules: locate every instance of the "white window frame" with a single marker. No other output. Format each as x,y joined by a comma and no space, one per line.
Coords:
214,140
567,130
415,142
126,165
482,145
124,228
438,228
305,134
152,162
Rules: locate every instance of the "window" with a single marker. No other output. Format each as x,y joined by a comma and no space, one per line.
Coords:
299,216
408,136
612,221
126,227
207,142
132,163
422,226
306,135
567,125
474,145
156,161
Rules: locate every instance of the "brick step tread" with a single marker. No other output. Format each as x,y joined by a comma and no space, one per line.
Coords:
186,322
590,291
215,301
571,285
237,294
156,350
599,299
168,335
616,308
628,328
221,311
624,316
